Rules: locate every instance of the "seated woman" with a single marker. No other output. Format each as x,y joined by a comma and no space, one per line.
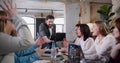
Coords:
84,38
103,42
23,53
115,54
9,44
32,53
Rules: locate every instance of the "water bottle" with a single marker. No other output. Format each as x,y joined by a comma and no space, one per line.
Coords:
72,55
53,45
53,52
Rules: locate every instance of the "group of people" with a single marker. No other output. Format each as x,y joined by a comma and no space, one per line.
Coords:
100,46
18,46
16,42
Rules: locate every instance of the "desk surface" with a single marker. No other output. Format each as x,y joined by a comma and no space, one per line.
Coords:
46,58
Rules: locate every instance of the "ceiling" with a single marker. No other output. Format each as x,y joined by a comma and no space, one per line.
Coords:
39,7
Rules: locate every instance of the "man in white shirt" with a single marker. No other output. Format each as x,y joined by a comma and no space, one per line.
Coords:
47,30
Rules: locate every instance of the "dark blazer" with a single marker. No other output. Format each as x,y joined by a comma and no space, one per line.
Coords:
44,31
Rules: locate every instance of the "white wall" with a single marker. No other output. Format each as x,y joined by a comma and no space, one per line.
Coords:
71,17
85,12
116,8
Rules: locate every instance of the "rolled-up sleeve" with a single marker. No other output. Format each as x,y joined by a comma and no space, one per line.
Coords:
27,59
26,51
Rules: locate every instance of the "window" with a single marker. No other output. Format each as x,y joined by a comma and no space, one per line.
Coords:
59,24
30,23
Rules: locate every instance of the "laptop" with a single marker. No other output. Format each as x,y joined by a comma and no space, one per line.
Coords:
75,53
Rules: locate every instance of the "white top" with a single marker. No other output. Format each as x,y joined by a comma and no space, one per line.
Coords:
77,41
100,48
105,45
50,29
85,45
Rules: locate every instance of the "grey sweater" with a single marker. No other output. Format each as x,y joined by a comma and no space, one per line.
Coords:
9,44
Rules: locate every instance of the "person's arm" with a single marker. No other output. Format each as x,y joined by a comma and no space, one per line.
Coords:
26,51
22,29
106,46
24,40
38,43
27,59
91,51
115,51
91,56
12,44
42,30
88,44
30,58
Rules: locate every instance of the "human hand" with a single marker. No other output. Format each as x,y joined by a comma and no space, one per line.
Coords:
40,41
14,33
46,39
115,51
65,42
13,30
40,51
8,7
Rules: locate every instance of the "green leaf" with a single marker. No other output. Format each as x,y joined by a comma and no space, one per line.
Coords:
105,9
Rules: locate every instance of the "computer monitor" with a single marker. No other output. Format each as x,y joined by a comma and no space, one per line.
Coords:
60,36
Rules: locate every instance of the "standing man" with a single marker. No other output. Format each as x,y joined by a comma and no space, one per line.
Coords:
47,30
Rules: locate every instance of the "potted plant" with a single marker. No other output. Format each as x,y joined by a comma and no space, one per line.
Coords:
105,13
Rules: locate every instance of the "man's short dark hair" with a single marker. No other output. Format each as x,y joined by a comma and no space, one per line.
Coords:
49,17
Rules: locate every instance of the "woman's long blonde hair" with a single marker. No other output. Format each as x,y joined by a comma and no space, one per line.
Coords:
102,28
3,21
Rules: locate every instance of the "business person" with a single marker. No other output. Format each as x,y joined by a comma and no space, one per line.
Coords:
47,30
84,38
9,44
115,53
103,44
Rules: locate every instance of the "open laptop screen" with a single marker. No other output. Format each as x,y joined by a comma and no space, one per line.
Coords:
60,36
75,53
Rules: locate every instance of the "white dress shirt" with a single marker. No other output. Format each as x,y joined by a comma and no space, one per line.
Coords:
50,29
